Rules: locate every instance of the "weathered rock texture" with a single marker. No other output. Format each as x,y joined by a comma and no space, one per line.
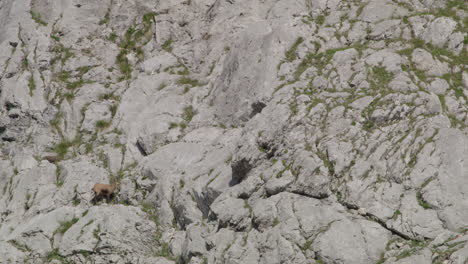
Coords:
240,131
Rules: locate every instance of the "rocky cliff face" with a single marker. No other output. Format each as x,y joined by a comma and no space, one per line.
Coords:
240,131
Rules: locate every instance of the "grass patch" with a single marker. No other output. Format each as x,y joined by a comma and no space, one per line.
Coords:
65,226
442,101
422,202
124,65
105,20
102,124
148,208
188,113
396,214
276,221
37,18
76,84
24,63
31,85
55,122
109,96
133,40
188,81
320,20
69,96
62,54
112,37
55,37
291,53
62,148
54,255
167,45
165,251
162,86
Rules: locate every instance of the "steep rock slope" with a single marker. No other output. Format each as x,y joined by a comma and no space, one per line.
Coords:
314,131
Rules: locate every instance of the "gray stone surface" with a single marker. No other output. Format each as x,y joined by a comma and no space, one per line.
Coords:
268,132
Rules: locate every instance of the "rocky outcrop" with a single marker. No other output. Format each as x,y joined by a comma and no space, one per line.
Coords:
238,131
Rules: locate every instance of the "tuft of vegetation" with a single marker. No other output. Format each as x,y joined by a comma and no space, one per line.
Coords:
275,221
102,124
55,122
69,96
96,232
188,114
167,45
62,54
422,202
396,214
165,251
24,63
112,37
55,37
54,255
381,75
31,85
320,20
149,209
187,81
105,20
149,18
162,86
37,18
65,226
109,96
124,65
291,53
132,42
62,148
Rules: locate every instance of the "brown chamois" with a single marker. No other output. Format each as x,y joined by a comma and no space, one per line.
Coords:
52,158
102,190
